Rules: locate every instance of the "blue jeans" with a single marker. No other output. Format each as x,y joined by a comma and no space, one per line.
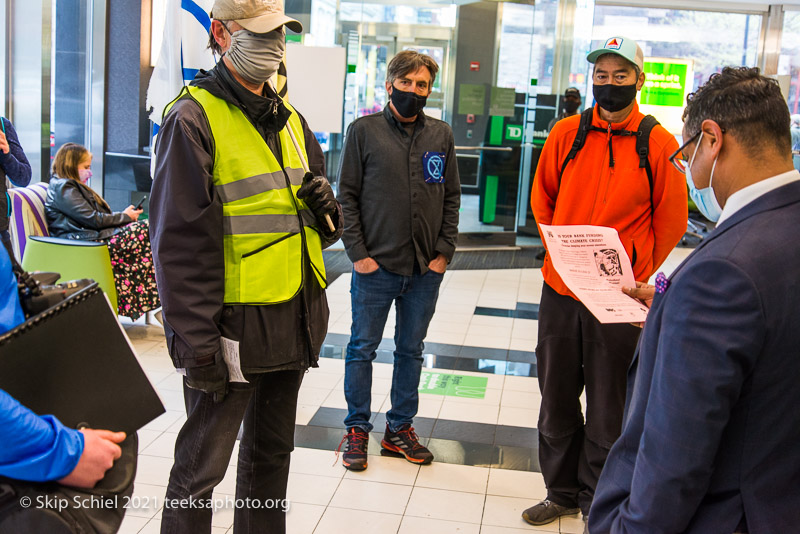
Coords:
372,296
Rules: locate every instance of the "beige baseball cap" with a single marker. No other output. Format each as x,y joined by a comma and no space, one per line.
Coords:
622,46
257,16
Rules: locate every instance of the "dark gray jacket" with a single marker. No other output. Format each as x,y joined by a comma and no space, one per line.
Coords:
73,213
186,233
391,213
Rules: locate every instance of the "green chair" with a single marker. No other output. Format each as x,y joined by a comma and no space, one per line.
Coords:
74,259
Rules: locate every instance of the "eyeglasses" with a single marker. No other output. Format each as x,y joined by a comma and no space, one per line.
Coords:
682,162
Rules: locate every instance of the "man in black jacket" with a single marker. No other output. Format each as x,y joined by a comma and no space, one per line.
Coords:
399,189
228,179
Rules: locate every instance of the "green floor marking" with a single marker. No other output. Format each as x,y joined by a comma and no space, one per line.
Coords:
470,387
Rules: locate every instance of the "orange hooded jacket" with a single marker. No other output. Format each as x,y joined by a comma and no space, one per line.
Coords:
593,192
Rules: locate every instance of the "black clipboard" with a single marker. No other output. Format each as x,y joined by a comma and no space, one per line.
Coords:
75,361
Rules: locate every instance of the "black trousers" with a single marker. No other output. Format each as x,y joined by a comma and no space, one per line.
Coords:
575,351
267,408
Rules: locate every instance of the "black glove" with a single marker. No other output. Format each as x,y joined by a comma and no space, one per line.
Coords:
211,378
316,192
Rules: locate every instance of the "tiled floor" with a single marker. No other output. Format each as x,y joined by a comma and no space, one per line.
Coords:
486,468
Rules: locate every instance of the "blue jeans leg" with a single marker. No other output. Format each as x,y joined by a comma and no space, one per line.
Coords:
372,296
415,307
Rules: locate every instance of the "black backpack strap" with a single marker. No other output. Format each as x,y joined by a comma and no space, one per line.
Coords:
643,150
580,139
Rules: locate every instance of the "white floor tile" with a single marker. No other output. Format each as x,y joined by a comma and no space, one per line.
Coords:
453,477
527,345
469,412
488,331
316,462
447,505
305,413
520,484
421,525
521,399
522,383
388,470
153,470
491,529
163,446
491,321
367,496
146,437
524,417
572,524
314,379
146,500
303,518
312,396
344,521
331,365
448,338
132,524
163,421
492,342
429,405
311,489
507,512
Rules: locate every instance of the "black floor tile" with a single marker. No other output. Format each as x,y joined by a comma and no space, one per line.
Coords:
516,436
522,356
439,362
492,367
528,307
493,312
462,453
518,458
464,431
483,353
329,417
521,369
442,349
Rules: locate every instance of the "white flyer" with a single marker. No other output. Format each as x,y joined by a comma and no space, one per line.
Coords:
230,353
593,263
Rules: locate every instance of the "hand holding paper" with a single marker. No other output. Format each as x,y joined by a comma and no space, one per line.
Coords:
594,265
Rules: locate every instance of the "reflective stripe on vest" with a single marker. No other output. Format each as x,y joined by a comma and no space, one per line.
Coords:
267,229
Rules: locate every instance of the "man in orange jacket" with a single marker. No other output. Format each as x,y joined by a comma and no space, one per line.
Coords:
603,185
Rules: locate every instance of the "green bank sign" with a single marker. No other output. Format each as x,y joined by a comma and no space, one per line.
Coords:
665,84
470,387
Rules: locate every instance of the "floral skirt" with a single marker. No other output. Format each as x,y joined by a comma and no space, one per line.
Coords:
134,274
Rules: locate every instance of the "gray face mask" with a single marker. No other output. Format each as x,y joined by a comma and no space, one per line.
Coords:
256,57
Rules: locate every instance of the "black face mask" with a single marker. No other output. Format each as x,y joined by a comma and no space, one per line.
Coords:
614,97
406,103
571,106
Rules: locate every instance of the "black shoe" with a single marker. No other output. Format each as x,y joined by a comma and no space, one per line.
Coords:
354,457
406,442
546,512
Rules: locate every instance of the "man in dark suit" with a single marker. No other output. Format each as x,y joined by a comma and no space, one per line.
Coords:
711,433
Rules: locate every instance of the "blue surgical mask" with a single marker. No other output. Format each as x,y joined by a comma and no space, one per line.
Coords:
704,199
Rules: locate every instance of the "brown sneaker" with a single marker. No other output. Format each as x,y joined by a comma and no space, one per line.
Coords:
546,512
354,457
406,442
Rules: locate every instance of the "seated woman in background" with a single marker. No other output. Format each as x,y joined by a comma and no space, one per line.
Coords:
75,211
